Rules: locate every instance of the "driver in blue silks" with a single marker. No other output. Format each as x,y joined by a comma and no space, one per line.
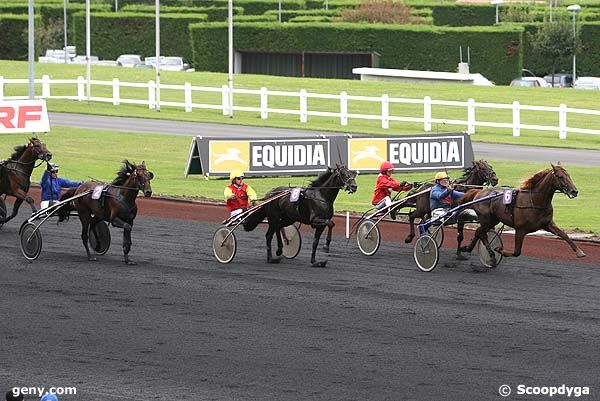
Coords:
442,194
52,185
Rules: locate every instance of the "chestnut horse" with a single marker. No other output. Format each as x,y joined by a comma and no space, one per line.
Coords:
116,205
530,210
15,173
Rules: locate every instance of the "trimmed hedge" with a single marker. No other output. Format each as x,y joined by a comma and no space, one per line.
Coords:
213,13
254,18
119,33
464,15
496,51
287,15
15,45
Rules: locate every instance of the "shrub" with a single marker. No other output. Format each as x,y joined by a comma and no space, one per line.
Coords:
379,11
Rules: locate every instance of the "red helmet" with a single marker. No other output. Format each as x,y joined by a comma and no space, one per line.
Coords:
385,166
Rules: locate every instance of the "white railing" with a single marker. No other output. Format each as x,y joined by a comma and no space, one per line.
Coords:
303,112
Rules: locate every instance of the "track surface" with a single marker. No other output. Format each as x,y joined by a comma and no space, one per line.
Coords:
181,326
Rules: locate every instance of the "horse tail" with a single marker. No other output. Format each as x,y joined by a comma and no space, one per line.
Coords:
469,196
254,219
63,212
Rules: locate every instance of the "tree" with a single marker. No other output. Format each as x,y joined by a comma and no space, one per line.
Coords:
554,41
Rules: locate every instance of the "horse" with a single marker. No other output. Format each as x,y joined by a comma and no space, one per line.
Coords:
116,206
15,173
530,210
481,173
314,208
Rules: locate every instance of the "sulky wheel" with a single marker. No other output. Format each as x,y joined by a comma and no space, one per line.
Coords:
495,242
224,245
292,241
2,212
31,241
99,243
437,232
368,237
426,253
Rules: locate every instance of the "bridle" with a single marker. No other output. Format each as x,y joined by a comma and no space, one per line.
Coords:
561,187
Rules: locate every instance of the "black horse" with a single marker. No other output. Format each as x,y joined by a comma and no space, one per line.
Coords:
15,174
314,207
481,173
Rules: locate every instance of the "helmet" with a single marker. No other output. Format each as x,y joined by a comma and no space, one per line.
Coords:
441,175
234,174
52,167
385,166
49,397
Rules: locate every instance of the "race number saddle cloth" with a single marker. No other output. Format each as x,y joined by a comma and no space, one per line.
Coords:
99,193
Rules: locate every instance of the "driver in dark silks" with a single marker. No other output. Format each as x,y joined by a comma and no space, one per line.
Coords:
238,194
443,194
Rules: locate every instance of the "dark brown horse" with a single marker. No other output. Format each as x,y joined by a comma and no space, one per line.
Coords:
480,174
116,205
15,173
530,210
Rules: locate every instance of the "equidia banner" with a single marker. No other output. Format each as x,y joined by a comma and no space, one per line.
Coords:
310,155
19,116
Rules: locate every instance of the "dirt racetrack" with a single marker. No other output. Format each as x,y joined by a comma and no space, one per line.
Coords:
181,326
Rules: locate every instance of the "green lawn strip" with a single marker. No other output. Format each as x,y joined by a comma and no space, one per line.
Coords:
501,94
87,153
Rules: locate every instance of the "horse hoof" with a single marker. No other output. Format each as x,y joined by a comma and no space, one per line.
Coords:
464,249
498,249
130,263
461,257
274,261
320,264
408,239
325,248
92,259
580,253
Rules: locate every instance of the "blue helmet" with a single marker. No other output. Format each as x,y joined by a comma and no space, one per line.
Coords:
49,397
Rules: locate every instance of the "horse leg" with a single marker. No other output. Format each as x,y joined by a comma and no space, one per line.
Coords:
117,222
85,226
269,238
479,233
554,229
279,250
328,240
460,236
318,231
411,223
519,237
21,196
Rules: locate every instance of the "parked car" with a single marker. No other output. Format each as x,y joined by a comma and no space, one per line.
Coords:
530,82
561,80
83,60
587,83
129,60
108,63
57,56
169,63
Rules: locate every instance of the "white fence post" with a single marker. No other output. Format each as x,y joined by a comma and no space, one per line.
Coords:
225,99
264,103
516,118
116,92
343,108
471,116
1,87
151,95
187,94
80,89
427,114
385,111
45,86
562,121
303,106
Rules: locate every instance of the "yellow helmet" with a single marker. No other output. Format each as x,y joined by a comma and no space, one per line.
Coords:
234,174
441,175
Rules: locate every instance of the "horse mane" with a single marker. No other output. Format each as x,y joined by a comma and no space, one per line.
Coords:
124,173
531,182
321,179
19,150
466,174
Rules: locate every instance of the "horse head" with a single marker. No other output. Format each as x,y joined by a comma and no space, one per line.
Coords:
562,181
39,149
143,177
346,178
484,172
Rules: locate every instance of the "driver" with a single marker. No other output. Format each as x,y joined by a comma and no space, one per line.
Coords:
442,194
238,194
384,186
52,185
